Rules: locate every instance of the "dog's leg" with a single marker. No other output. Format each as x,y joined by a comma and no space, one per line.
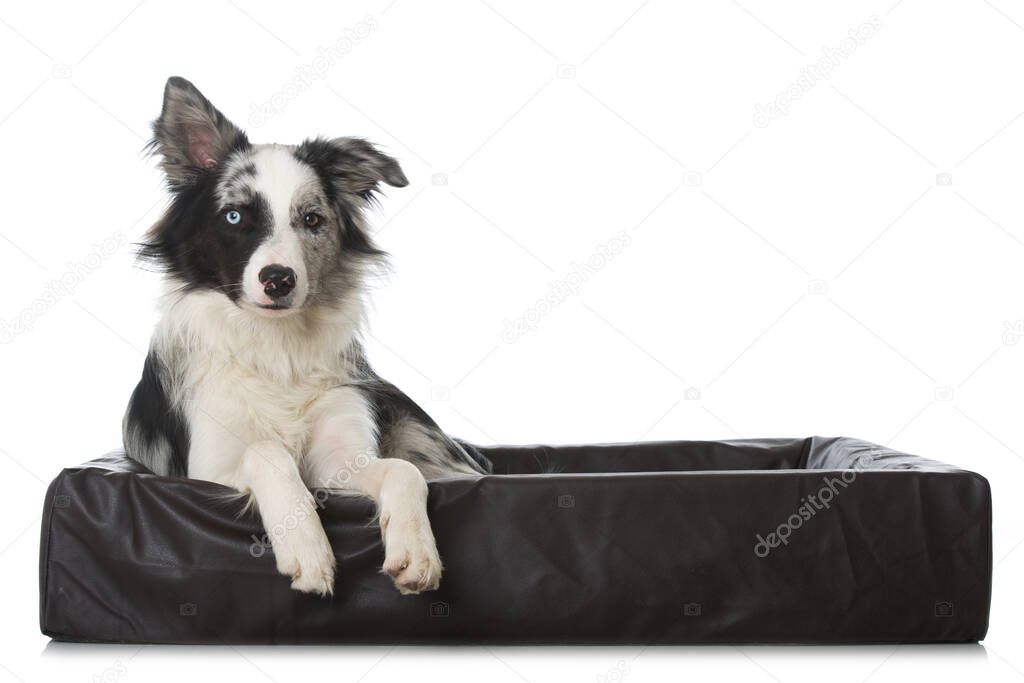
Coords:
343,455
269,474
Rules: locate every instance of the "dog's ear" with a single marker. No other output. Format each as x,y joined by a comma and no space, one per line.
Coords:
355,165
190,135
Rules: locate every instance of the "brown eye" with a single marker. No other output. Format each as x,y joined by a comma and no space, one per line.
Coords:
312,220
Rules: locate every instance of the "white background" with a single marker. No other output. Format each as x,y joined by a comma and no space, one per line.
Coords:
813,275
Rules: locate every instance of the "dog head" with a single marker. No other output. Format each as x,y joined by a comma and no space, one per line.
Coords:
275,228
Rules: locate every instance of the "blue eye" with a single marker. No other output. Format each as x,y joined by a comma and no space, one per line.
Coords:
233,217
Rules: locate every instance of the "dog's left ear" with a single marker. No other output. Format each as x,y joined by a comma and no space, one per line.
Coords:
353,164
191,135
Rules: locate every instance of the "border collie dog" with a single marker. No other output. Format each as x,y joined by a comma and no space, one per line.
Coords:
255,377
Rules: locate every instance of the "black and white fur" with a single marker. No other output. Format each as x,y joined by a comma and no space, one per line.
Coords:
258,381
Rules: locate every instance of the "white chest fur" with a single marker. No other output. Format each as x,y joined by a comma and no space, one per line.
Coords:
243,378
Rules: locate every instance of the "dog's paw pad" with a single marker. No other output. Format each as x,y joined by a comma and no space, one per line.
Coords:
305,554
414,568
317,581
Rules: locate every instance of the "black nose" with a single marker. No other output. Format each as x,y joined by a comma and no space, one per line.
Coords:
277,280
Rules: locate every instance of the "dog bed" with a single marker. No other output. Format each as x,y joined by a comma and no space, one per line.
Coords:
818,540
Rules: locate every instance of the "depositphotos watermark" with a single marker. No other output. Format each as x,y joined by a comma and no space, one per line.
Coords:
307,74
61,287
303,510
616,674
815,72
112,673
809,507
561,290
1013,331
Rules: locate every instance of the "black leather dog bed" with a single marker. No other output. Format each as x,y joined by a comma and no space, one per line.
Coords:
759,541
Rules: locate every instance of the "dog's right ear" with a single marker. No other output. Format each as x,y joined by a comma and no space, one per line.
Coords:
191,136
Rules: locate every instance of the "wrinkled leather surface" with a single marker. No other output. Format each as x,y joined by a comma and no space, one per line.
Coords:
622,543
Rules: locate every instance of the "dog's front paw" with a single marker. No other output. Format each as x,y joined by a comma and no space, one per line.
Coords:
305,554
410,556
